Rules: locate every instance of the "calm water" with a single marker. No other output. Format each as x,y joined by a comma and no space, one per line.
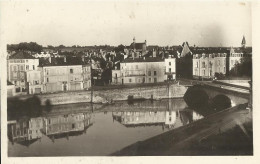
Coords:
82,129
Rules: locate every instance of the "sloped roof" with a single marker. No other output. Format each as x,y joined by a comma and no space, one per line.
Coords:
148,59
209,50
21,55
137,45
241,50
61,62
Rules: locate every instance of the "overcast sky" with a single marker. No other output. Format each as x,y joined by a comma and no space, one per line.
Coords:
113,23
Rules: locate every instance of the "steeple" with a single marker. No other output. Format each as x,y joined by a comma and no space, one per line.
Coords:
134,40
243,44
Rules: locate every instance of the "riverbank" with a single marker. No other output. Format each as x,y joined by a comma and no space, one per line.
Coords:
113,94
198,134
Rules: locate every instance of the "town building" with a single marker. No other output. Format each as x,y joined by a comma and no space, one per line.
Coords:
34,82
17,66
206,65
65,74
136,50
144,70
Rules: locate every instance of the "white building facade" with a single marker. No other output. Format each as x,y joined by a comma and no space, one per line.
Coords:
141,70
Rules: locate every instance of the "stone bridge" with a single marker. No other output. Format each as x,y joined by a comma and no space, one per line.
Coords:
236,97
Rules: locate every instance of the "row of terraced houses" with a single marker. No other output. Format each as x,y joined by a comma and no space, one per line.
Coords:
28,75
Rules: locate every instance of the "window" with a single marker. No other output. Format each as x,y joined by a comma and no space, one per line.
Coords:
197,64
116,75
210,64
130,80
203,64
47,79
149,73
170,63
170,70
155,80
33,67
154,73
22,68
149,79
224,69
71,70
27,67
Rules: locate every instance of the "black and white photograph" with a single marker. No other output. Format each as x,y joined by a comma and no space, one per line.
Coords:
127,78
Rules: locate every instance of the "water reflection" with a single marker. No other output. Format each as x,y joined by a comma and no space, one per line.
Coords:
77,130
27,131
66,125
166,119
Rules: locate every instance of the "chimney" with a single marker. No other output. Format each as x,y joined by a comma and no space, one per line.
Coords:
50,59
65,59
154,53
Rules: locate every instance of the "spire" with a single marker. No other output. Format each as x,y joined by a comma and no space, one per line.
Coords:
134,39
243,44
185,49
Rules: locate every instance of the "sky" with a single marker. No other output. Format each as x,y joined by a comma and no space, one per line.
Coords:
87,23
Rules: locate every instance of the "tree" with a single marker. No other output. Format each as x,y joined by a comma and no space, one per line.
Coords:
24,46
61,46
50,47
242,68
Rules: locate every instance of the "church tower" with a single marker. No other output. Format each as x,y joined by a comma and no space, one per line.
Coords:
243,43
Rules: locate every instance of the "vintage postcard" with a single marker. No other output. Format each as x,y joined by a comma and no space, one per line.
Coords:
97,80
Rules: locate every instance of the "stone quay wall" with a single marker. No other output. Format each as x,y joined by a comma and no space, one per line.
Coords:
104,96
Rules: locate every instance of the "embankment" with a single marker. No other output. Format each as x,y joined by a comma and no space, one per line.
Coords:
103,96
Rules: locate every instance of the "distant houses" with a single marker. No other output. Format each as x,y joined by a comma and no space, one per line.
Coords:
78,68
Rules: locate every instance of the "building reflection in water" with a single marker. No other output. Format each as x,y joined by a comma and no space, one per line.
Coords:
27,131
166,119
63,126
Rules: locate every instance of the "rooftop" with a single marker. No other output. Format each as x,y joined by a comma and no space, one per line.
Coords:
21,55
137,45
62,62
148,59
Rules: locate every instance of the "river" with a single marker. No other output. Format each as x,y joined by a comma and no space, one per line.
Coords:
95,130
